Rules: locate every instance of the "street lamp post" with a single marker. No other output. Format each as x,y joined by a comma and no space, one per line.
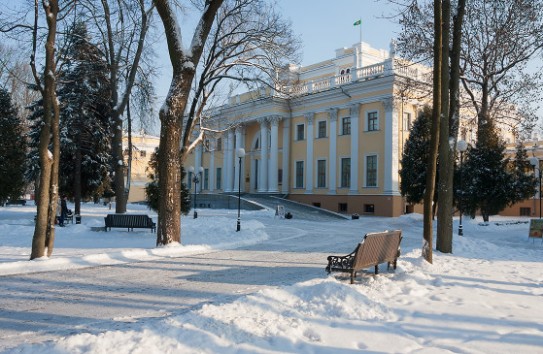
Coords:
241,154
196,180
534,161
461,146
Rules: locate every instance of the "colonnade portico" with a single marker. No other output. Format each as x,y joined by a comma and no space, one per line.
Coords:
268,157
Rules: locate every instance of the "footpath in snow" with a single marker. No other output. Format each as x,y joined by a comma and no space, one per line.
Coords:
484,298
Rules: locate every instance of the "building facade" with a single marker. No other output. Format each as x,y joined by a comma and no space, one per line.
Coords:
331,138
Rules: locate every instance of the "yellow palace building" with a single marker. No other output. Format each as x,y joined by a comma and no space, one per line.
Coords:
332,138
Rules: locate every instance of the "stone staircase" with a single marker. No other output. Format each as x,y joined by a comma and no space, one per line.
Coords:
298,210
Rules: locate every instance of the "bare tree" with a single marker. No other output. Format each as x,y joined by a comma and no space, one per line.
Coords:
184,63
500,38
427,247
44,233
449,133
123,26
249,45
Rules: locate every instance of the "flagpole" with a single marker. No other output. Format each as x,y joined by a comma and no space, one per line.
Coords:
361,32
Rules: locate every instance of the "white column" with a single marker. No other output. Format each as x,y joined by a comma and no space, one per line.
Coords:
197,164
274,152
309,161
213,146
332,158
391,148
239,144
355,113
286,155
228,168
263,165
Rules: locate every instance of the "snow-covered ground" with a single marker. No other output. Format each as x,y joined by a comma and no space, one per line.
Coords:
486,297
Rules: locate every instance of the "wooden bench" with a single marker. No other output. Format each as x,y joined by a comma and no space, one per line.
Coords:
16,202
129,221
376,248
69,218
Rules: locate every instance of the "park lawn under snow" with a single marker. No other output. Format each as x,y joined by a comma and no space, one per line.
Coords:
485,298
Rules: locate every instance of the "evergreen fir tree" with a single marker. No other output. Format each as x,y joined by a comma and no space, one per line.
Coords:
523,179
84,118
152,191
415,157
12,150
488,184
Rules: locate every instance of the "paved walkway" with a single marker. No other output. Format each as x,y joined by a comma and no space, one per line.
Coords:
44,306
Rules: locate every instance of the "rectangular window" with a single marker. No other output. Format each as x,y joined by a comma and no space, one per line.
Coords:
371,171
525,211
369,208
300,132
322,129
219,144
346,126
299,174
280,176
189,180
373,121
342,207
218,178
206,178
406,121
345,172
321,173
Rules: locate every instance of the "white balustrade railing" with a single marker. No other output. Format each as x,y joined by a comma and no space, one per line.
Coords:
388,67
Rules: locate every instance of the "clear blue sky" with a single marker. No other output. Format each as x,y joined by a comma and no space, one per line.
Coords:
326,25
323,26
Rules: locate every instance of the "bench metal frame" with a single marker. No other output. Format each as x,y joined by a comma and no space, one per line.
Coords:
376,248
129,221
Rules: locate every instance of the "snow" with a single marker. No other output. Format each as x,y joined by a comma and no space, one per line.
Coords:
484,298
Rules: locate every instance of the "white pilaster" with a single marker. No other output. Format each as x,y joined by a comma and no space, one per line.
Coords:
197,164
391,148
263,165
332,170
213,146
355,118
309,162
229,161
239,144
274,152
286,155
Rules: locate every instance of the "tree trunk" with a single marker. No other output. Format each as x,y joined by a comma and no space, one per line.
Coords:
446,154
77,181
44,232
434,140
118,161
169,164
445,237
172,114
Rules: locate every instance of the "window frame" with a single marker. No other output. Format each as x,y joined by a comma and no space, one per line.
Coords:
320,133
299,174
372,121
218,178
345,176
346,126
300,132
371,174
321,173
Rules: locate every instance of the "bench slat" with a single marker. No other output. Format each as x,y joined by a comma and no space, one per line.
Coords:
376,248
130,221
